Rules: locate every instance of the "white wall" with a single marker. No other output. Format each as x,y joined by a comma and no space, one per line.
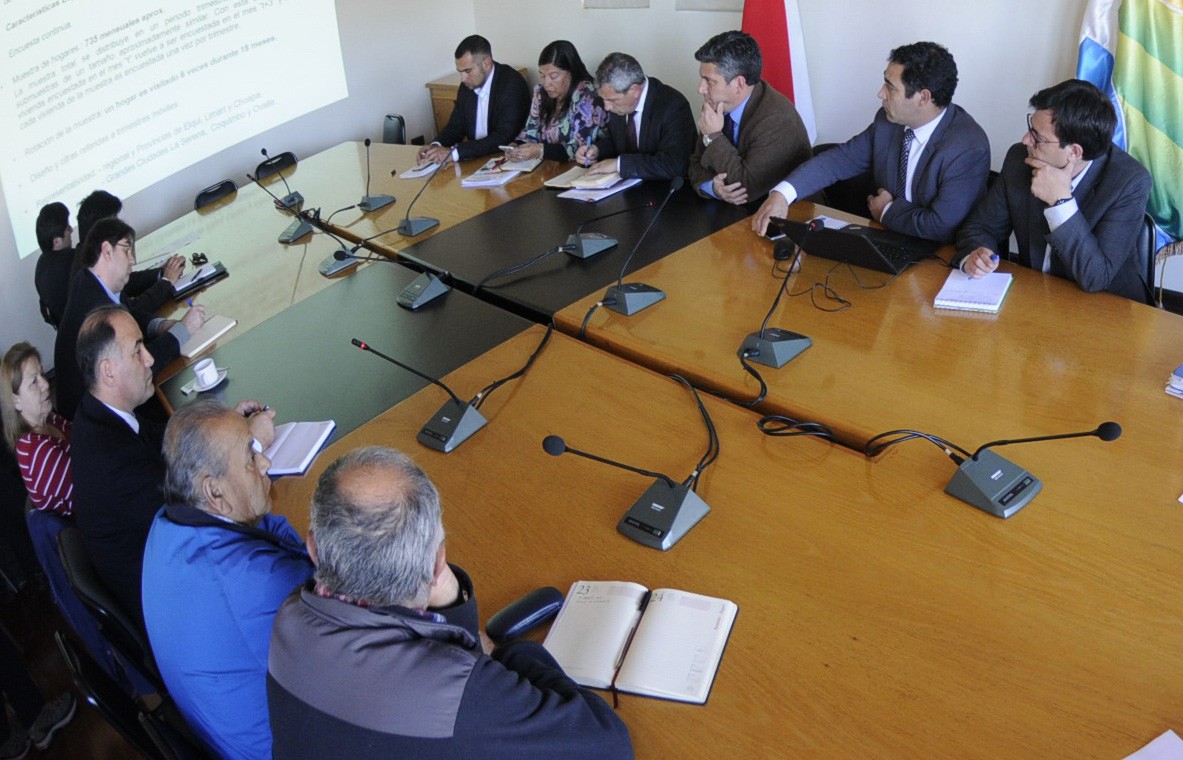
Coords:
1005,50
388,58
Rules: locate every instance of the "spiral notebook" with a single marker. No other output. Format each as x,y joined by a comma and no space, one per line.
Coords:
964,293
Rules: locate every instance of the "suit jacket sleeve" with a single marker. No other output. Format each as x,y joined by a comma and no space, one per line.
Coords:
508,108
457,127
772,142
1094,250
989,222
151,298
850,159
668,138
952,181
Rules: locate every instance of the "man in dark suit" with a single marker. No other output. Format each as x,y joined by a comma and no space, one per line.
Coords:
651,131
108,256
55,238
752,135
117,463
1073,199
928,158
491,106
147,289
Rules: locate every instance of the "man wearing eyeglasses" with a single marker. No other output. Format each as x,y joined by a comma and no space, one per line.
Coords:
1074,200
108,256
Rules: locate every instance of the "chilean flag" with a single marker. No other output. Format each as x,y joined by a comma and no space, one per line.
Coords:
776,25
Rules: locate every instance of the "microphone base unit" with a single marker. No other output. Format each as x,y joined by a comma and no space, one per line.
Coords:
662,515
588,244
416,226
330,266
291,200
451,426
370,203
631,297
294,231
774,347
423,290
993,484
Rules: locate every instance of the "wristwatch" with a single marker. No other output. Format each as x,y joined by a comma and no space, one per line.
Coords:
1062,201
708,139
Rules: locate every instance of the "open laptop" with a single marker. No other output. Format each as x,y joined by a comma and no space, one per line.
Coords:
881,250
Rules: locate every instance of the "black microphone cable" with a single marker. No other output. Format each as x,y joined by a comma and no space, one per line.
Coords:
515,268
876,445
712,453
783,426
485,392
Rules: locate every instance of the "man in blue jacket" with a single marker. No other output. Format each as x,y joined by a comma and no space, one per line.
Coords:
382,656
928,158
216,568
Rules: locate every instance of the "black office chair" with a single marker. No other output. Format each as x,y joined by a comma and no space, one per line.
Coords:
101,691
849,195
274,165
1144,252
116,625
213,193
394,130
171,743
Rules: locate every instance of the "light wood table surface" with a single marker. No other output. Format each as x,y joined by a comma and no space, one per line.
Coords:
266,276
1054,360
878,616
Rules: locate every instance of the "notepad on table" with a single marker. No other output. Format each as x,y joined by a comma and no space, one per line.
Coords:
296,444
198,278
965,293
664,643
214,328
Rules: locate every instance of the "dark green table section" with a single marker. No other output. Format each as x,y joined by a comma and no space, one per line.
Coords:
302,363
524,227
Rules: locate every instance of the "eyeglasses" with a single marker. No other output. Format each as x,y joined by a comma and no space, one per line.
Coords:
131,249
199,259
1037,138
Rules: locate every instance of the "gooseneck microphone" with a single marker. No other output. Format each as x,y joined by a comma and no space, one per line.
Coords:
556,446
997,485
636,296
772,346
299,226
668,509
292,198
1106,431
585,245
453,424
409,227
372,202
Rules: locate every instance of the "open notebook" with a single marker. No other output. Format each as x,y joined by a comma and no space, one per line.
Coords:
664,643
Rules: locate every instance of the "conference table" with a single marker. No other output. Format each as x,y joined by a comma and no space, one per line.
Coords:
878,617
303,364
267,277
1053,360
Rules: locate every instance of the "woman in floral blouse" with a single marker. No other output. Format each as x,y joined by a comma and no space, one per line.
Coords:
565,112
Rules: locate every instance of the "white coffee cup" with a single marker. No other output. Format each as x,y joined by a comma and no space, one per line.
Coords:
206,373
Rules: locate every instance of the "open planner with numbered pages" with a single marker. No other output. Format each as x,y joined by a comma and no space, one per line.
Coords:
663,643
964,293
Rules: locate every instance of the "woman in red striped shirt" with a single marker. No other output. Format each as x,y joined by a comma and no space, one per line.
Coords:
39,436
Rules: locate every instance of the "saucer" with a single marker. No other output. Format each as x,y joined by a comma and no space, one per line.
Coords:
203,388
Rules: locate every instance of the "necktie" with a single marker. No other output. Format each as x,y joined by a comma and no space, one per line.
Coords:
901,184
729,128
630,134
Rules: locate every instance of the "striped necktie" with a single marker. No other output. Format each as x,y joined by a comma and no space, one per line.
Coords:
901,184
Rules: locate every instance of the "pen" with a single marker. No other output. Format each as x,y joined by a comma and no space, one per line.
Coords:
189,302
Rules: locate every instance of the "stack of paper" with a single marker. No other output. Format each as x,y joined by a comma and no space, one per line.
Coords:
965,293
